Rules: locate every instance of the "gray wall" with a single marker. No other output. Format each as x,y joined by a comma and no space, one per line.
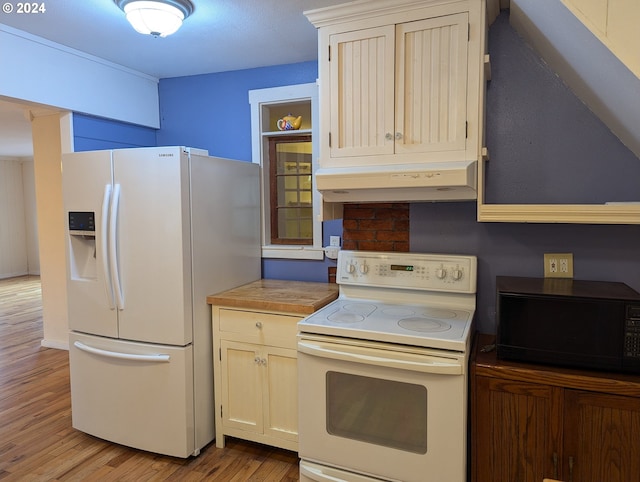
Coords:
545,147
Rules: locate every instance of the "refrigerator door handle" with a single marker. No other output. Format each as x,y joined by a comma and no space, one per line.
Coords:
104,251
113,247
160,357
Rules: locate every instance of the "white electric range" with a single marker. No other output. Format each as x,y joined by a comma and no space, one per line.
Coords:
383,370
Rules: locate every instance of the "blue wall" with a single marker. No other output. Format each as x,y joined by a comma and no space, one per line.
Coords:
545,146
535,127
94,133
212,111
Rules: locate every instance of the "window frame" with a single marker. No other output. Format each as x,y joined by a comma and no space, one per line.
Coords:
260,101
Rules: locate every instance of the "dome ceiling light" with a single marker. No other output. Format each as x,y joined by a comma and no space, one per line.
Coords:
155,17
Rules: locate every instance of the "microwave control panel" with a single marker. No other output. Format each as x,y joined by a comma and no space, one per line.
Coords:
632,332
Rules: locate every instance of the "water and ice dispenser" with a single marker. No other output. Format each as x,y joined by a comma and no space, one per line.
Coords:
82,239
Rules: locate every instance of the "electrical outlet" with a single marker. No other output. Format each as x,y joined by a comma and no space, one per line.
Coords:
558,265
334,241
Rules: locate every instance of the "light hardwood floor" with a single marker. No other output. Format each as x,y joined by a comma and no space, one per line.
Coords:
37,442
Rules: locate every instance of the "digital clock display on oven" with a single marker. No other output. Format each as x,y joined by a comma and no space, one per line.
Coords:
401,267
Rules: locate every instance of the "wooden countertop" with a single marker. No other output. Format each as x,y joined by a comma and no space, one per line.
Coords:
486,363
303,297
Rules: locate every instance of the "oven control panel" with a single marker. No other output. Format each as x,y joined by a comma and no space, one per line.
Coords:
420,271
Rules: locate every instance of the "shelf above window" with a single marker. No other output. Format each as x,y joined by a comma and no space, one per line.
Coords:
299,132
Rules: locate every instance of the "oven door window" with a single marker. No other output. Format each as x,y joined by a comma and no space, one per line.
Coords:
377,411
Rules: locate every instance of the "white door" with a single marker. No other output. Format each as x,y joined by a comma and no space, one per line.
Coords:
135,394
154,245
86,185
391,412
431,89
362,93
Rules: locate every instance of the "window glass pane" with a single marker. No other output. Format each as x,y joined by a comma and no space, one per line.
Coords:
292,183
291,198
372,410
306,227
305,197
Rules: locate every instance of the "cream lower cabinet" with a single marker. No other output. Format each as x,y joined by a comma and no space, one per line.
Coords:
256,376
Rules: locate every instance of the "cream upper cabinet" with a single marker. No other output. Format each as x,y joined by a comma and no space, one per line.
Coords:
431,94
400,82
361,92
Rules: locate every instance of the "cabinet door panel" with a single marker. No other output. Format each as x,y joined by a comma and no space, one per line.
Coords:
514,430
241,386
602,435
431,84
362,92
281,394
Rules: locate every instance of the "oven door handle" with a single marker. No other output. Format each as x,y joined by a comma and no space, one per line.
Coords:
402,361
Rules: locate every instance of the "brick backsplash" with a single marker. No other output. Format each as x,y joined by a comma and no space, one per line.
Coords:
376,227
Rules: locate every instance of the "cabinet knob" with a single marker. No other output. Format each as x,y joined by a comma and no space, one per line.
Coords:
257,360
259,325
398,136
388,136
263,362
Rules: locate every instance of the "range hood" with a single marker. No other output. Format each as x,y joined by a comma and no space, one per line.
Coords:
432,181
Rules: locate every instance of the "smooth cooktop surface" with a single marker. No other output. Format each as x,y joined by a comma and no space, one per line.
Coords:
427,326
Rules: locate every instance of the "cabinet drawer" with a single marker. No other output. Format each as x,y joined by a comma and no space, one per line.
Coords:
270,329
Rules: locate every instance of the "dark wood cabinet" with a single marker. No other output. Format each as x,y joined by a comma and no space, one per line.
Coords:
531,422
602,437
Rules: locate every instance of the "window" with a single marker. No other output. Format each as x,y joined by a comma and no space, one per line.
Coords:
290,160
290,205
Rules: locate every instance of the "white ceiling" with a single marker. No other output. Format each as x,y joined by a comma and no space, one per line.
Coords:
220,35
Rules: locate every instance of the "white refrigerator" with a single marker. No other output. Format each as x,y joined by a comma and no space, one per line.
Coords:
150,233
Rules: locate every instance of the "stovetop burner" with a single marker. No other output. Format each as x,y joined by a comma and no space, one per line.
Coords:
424,325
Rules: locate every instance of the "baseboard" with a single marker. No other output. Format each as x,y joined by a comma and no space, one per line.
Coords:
59,345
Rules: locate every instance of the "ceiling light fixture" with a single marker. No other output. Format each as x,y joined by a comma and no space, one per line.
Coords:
156,17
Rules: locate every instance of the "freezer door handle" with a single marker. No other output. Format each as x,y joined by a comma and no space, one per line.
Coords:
104,252
156,357
113,246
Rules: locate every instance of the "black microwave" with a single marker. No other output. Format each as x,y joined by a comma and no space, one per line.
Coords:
565,322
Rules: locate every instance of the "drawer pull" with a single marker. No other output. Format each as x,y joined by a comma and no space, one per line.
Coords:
259,325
